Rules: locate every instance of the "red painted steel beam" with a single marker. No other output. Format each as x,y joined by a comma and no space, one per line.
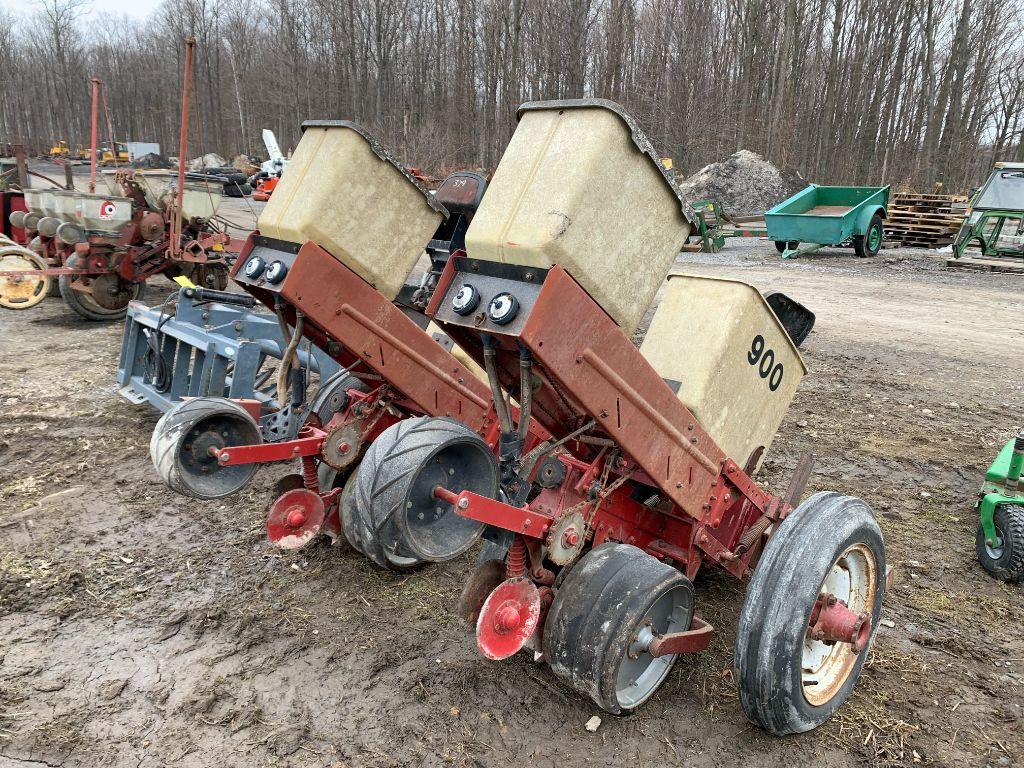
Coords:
309,443
523,520
694,640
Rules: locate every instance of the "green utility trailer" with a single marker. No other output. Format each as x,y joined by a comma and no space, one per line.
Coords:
1000,505
995,216
829,216
714,225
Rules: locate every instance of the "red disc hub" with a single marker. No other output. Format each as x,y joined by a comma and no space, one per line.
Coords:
295,518
508,618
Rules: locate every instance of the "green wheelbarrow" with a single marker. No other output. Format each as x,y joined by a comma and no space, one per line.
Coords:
829,216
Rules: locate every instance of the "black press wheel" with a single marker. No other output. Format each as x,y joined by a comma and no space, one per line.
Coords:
358,530
614,601
396,480
782,245
118,294
789,682
1005,558
870,243
182,441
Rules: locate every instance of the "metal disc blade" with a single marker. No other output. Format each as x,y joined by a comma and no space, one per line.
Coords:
508,618
295,519
484,579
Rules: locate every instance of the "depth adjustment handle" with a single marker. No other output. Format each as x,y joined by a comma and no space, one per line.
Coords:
224,297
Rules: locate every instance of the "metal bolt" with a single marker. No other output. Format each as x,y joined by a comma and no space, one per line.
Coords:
463,503
451,470
419,516
224,457
344,448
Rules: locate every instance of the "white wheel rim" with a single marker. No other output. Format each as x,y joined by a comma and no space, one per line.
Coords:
640,674
853,578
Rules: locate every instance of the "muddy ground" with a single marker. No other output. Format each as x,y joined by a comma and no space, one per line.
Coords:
138,628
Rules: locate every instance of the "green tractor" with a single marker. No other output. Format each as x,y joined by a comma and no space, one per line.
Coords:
1001,511
995,215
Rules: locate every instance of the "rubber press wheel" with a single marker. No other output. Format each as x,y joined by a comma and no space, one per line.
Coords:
182,441
870,243
86,306
789,683
609,607
394,489
1005,559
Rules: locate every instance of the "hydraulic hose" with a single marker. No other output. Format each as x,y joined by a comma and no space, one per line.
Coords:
500,407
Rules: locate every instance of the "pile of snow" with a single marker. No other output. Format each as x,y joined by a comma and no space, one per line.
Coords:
745,183
212,160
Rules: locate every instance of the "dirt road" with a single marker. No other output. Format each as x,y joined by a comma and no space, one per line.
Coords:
138,628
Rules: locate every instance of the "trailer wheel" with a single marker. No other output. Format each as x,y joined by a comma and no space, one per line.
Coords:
782,245
612,603
870,243
396,481
181,443
84,305
1004,560
789,682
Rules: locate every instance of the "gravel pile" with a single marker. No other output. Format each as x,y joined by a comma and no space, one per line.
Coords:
745,183
211,160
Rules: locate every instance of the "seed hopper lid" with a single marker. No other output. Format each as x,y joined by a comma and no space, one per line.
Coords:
639,138
382,153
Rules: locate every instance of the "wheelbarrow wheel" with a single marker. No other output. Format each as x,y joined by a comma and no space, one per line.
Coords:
1004,559
182,441
788,681
782,245
396,481
870,243
609,607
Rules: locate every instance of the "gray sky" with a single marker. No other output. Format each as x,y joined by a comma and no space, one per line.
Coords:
137,9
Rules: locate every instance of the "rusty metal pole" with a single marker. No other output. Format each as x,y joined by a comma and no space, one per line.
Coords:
176,220
95,115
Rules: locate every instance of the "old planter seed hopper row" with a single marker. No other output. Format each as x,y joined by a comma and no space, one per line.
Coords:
603,476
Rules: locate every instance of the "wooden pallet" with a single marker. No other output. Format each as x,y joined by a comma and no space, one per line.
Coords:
923,220
1012,266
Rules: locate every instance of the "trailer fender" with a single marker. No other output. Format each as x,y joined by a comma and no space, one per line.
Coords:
865,216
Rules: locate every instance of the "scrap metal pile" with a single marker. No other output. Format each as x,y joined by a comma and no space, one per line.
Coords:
603,477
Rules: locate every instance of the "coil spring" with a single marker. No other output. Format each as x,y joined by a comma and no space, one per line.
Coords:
309,478
515,563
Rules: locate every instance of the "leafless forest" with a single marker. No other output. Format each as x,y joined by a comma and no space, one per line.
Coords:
917,92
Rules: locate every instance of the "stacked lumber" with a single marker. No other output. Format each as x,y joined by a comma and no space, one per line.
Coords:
924,221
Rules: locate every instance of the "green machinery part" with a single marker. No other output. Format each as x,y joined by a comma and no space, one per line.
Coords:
1002,485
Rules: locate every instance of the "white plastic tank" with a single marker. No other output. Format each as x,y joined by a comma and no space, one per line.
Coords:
722,349
580,185
345,193
102,214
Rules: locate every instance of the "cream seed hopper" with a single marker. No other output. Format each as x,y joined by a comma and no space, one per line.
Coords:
336,243
599,532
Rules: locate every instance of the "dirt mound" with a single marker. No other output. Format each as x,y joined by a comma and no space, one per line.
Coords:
152,160
245,164
744,183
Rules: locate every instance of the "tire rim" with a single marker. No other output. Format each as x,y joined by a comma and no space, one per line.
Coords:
201,470
995,552
853,578
640,674
874,238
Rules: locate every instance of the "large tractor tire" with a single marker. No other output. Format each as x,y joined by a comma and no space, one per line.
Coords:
181,443
609,607
788,682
